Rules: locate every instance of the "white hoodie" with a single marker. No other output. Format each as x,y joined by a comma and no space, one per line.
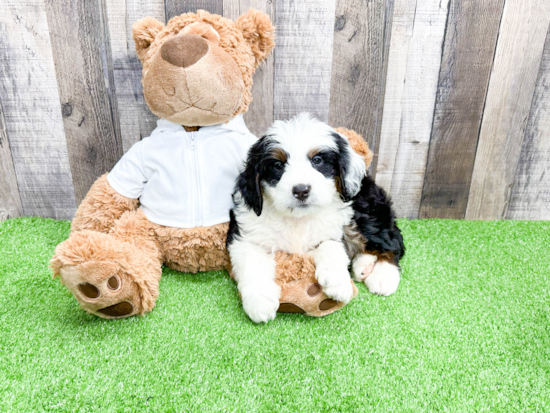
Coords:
184,179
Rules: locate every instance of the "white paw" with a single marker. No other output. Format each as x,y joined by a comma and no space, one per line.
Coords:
362,266
384,279
261,301
335,282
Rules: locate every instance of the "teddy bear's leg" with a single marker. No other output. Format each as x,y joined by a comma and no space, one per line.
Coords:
194,249
300,291
112,275
101,207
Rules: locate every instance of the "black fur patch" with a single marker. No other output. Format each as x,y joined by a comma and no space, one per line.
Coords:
233,229
343,164
375,220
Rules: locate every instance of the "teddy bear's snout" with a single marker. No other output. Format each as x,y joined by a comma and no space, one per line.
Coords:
184,50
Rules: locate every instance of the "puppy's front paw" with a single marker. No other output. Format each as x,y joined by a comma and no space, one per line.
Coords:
363,266
260,302
335,282
384,279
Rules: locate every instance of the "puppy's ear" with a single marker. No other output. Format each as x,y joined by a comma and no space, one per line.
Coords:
258,32
352,168
144,32
248,183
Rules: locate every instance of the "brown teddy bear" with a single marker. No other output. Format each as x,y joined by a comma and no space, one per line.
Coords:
167,200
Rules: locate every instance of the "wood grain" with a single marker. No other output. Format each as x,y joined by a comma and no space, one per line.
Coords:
401,33
517,60
260,113
468,52
82,57
136,120
10,201
177,7
531,192
418,101
303,57
28,92
358,66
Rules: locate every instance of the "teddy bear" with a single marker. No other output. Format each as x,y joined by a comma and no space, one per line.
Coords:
167,201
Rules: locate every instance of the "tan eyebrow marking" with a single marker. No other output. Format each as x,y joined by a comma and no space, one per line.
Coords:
279,154
313,152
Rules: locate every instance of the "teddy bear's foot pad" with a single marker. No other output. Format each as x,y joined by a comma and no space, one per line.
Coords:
118,310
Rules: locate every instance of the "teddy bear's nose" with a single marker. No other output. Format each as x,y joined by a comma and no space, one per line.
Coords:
184,50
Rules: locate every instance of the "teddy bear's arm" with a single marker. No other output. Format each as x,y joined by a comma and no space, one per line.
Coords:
101,207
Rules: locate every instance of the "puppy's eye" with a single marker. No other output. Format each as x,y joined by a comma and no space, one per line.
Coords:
317,160
278,165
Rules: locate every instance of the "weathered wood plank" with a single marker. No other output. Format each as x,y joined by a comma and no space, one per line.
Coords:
260,113
10,201
531,192
136,120
303,57
29,96
511,87
418,101
177,7
82,57
470,42
358,62
401,33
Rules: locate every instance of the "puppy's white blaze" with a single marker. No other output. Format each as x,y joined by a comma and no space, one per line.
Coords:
384,279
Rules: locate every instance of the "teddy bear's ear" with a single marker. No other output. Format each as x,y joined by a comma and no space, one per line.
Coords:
258,32
144,32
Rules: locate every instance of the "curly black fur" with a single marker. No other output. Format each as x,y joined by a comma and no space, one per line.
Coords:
375,220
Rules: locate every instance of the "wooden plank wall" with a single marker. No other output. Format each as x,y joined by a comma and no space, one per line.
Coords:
452,95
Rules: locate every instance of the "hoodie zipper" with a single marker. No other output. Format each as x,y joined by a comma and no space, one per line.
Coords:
198,211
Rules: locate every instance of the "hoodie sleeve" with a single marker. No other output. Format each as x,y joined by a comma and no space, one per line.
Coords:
128,177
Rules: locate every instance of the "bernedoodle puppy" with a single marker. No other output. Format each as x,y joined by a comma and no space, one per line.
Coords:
304,190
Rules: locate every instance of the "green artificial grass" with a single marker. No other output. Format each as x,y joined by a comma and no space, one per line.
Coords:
468,330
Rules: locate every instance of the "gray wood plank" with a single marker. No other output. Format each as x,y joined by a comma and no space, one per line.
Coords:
303,57
418,102
531,191
82,57
260,113
10,201
468,52
30,99
511,88
136,120
358,66
177,7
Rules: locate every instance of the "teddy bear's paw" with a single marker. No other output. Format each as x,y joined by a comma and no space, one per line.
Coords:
261,301
363,266
335,282
384,279
102,288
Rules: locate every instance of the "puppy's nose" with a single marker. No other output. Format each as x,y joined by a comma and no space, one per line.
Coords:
184,50
301,191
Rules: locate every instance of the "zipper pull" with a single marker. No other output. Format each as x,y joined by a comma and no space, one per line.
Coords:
193,141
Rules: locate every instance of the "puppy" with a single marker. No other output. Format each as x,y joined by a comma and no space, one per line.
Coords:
304,190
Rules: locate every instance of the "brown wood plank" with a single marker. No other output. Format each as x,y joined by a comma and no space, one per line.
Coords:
10,201
136,120
32,113
260,113
531,192
303,57
511,88
177,7
359,60
468,51
81,51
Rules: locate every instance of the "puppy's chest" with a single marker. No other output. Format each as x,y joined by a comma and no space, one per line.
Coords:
300,235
